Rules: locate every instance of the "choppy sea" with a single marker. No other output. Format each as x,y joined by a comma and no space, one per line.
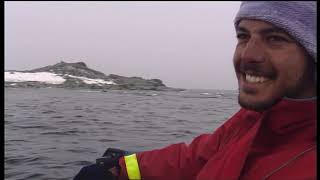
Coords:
51,133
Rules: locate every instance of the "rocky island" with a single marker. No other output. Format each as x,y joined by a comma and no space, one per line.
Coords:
79,76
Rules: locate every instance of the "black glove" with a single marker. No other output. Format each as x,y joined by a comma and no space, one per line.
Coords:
100,170
94,172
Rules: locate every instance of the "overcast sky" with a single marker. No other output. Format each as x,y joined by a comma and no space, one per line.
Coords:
185,44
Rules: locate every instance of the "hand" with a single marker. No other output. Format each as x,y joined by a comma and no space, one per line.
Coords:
94,172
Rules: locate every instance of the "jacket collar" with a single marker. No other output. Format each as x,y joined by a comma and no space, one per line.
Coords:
288,115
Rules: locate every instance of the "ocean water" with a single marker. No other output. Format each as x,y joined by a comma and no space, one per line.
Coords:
51,133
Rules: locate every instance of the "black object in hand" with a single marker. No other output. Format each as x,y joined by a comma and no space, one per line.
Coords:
94,172
100,170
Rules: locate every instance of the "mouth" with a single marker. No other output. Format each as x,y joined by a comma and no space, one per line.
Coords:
253,74
250,78
250,81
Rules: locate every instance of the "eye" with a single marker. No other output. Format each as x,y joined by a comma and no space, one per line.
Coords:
242,36
275,38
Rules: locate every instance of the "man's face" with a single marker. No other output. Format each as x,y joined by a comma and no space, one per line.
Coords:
269,65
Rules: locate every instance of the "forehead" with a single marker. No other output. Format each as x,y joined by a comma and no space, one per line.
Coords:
258,26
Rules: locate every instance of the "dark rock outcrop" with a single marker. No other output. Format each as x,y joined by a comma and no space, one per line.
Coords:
75,69
72,71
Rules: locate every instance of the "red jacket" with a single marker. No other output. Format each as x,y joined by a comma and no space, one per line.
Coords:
278,144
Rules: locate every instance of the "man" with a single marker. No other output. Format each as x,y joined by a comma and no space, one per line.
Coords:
273,136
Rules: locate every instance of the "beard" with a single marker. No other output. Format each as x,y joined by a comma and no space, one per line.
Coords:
259,106
294,92
300,85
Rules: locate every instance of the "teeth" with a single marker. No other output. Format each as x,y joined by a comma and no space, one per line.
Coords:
255,79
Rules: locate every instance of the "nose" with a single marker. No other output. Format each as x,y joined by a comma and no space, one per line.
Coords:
253,52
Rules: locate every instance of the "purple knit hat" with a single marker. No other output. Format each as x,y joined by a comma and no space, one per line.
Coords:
297,18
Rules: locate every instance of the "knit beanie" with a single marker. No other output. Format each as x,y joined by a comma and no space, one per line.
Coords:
297,18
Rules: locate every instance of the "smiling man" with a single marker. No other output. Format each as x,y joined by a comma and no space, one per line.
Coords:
273,136
270,64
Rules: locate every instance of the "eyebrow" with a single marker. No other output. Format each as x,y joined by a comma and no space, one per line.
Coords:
264,31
